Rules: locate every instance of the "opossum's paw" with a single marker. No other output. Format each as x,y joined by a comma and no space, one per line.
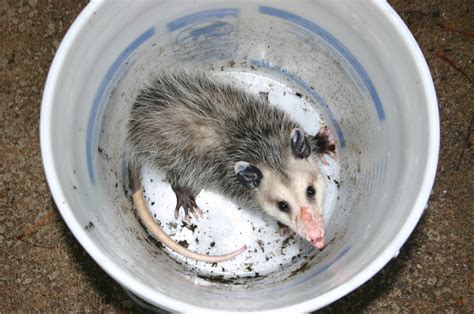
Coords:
186,199
284,230
324,145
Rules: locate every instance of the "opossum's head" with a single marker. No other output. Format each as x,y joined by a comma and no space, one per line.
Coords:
293,196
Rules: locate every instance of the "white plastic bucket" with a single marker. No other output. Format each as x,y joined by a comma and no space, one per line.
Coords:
350,64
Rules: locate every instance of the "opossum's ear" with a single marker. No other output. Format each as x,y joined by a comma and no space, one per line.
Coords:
300,144
248,174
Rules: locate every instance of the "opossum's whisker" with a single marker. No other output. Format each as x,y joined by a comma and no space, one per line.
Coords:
176,211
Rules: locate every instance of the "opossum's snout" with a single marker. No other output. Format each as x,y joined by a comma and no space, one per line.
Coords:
310,227
317,239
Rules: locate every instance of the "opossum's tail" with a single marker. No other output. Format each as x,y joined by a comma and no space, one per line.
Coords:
155,229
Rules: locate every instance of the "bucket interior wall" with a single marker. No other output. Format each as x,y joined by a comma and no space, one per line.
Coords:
319,56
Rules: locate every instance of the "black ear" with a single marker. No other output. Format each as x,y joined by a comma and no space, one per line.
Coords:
248,175
300,144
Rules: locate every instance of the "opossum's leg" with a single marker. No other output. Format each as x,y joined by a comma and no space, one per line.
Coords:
185,198
323,145
284,230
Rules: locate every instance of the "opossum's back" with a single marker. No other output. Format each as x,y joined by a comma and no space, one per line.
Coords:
193,114
197,97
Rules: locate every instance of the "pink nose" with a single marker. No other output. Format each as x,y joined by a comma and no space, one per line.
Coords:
316,237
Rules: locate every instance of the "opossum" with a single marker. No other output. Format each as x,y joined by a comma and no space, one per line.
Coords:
207,134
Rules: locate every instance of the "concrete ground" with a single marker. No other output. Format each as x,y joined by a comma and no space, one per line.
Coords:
47,270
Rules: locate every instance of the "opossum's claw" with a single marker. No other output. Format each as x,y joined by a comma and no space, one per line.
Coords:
186,215
176,210
323,160
198,211
194,212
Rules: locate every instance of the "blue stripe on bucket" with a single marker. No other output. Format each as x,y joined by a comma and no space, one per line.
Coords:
91,141
325,267
202,16
310,91
334,43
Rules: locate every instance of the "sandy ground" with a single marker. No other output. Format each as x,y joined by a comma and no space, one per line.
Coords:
47,269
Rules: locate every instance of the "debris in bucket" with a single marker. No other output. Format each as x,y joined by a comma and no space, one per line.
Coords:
183,243
286,243
90,226
191,227
226,145
172,225
261,245
302,269
222,280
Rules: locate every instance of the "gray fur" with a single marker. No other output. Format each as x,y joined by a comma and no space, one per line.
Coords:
195,129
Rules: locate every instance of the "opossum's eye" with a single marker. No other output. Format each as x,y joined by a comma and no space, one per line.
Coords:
248,174
283,206
310,192
300,144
